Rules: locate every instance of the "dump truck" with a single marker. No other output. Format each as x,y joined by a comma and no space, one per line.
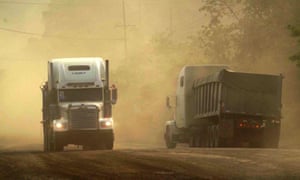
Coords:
77,104
217,107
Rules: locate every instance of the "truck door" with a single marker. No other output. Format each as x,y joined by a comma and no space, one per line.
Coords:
180,103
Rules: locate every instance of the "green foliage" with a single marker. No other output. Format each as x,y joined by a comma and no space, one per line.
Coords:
296,58
295,32
245,31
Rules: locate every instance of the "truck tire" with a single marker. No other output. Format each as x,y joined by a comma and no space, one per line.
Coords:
195,140
50,145
53,144
58,147
45,138
169,139
192,141
271,145
109,145
210,136
271,137
109,142
198,140
205,137
48,139
215,135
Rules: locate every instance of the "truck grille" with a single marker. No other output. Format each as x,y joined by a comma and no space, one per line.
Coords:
83,117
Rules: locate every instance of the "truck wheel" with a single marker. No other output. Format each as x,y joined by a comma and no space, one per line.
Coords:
45,138
58,147
270,137
50,141
50,146
203,139
109,144
195,140
265,144
210,136
109,141
46,143
48,138
204,134
198,140
216,136
192,141
169,139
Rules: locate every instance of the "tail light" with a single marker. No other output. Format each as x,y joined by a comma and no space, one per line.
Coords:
254,124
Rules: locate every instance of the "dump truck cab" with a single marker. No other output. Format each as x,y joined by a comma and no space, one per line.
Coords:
217,107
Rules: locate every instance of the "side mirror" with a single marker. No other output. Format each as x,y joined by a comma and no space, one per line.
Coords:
44,86
168,102
114,94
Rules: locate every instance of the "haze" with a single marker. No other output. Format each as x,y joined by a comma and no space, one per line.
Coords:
145,73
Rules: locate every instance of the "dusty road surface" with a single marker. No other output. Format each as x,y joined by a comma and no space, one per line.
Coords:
152,163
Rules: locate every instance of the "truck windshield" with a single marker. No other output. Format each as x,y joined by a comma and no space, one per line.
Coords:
73,95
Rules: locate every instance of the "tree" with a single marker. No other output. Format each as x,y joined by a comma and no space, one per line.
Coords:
253,36
295,32
244,31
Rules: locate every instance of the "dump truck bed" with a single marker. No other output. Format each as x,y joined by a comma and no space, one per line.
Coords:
227,92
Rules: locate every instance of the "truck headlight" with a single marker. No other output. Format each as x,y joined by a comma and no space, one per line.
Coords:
106,123
60,125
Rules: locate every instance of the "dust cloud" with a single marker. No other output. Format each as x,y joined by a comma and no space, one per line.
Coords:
20,76
157,34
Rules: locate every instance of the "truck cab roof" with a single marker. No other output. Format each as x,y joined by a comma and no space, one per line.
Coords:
70,73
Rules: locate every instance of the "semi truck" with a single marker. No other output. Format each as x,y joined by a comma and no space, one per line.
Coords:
77,104
217,107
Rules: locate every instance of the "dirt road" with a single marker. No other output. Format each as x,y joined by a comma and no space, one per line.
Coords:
152,163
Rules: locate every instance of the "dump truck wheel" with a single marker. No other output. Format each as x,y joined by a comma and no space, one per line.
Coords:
192,141
216,136
109,143
198,140
210,136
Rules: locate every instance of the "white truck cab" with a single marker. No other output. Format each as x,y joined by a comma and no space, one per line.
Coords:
77,104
